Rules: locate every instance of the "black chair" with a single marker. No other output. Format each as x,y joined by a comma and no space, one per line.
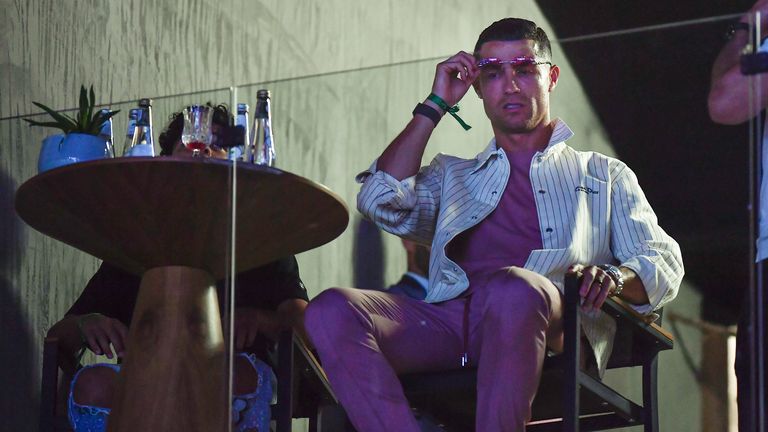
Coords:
50,420
568,399
303,389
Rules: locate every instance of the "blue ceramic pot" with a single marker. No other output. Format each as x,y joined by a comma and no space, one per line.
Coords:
59,150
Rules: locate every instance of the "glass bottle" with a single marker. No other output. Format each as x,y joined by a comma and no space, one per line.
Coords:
105,133
143,143
239,149
133,114
262,142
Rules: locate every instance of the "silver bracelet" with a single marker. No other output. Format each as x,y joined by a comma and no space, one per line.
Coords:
615,274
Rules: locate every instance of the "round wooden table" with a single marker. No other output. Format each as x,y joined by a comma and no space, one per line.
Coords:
169,219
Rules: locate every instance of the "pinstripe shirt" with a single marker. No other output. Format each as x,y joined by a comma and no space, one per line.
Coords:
590,207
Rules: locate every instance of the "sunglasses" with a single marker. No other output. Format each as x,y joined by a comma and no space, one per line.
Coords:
521,61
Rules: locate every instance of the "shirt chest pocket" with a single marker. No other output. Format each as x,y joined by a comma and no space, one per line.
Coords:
593,206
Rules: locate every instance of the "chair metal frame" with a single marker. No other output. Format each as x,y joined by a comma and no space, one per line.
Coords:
568,398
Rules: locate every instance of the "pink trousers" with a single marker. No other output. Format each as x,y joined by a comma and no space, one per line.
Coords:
366,338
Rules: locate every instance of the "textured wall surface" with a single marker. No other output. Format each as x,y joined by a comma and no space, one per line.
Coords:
344,75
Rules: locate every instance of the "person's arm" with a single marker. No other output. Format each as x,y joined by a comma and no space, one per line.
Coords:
275,302
99,333
728,100
292,316
597,284
92,321
396,195
69,342
649,259
251,321
453,77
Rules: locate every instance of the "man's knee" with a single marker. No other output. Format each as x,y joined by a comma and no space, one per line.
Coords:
518,289
328,304
94,386
332,311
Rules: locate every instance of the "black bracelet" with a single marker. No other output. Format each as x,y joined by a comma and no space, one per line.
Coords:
428,112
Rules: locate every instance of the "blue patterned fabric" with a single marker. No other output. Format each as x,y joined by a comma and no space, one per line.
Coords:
86,418
249,411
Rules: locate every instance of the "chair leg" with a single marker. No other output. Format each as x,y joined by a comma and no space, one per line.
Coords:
650,395
571,353
284,408
49,380
332,418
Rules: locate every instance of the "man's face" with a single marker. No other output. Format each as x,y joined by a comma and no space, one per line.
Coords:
213,150
515,93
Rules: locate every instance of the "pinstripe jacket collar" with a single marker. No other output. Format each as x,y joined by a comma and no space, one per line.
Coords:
560,134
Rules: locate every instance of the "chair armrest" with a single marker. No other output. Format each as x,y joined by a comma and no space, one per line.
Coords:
630,324
312,366
624,313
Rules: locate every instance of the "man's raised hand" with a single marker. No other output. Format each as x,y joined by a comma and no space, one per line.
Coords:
454,76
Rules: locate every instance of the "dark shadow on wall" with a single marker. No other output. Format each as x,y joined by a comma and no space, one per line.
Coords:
18,365
368,256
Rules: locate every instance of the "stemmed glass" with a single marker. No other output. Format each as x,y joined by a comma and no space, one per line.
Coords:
196,135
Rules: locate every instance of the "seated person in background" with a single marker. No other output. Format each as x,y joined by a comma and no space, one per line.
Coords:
414,281
268,299
505,227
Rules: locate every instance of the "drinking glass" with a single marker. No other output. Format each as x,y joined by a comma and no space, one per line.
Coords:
196,135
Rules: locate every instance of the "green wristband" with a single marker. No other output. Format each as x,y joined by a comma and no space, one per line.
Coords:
452,110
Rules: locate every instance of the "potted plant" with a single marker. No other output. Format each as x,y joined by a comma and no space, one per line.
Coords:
81,140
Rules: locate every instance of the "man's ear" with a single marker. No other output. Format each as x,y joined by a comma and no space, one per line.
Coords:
554,74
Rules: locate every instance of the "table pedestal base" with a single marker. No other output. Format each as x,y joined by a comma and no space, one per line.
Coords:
173,378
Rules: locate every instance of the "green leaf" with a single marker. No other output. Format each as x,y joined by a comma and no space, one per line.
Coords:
56,125
98,119
92,99
67,123
87,120
83,115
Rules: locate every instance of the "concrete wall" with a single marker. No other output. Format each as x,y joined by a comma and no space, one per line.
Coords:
345,76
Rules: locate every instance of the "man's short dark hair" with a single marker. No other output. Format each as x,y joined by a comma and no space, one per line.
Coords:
172,133
512,29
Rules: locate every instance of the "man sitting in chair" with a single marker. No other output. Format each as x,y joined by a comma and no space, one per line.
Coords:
268,299
504,227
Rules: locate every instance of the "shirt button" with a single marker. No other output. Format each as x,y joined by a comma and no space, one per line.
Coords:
549,230
493,193
474,217
539,158
542,191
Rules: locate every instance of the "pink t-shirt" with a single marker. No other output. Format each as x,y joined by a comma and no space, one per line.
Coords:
509,234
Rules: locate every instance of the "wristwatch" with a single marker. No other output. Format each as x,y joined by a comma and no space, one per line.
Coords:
617,277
